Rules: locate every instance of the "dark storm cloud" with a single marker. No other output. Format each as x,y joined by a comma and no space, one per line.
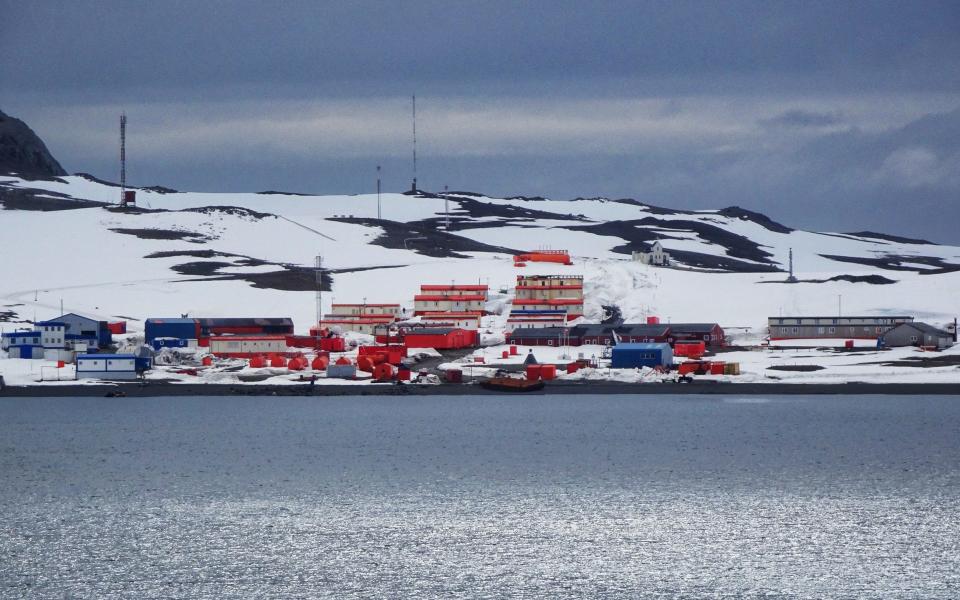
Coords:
802,118
811,111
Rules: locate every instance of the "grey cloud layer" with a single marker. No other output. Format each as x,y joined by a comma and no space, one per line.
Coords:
823,114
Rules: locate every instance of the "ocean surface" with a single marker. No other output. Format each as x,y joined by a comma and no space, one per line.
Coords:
480,497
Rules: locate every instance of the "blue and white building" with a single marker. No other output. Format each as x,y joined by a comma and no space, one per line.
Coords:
22,344
110,366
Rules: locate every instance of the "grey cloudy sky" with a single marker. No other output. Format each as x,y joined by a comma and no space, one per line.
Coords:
830,115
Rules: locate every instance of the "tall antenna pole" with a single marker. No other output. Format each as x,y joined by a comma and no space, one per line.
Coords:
378,192
446,208
123,156
414,189
318,264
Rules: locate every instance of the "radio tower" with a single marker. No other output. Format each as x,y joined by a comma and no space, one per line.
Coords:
126,198
123,159
414,188
791,278
378,192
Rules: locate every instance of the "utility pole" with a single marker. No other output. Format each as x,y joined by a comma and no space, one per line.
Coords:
318,270
839,305
446,208
378,193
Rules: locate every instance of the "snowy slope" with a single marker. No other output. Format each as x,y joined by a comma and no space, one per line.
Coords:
249,254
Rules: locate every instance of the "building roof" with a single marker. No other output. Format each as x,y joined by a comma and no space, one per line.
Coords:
454,287
844,317
691,327
22,334
79,317
924,328
431,331
440,297
540,332
381,305
172,321
51,323
641,346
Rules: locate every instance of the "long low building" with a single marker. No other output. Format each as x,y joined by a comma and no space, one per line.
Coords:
853,327
610,335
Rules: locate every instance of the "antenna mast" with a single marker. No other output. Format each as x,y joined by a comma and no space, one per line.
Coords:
318,264
378,192
123,158
791,278
414,188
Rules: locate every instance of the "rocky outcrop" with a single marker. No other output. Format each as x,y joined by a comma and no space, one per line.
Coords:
22,152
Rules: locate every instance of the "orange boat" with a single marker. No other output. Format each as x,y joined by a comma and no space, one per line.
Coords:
511,384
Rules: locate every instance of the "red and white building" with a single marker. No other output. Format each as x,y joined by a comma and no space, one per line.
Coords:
456,290
361,318
433,303
463,320
544,294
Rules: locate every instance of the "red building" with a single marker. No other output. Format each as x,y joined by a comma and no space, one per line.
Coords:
710,334
441,338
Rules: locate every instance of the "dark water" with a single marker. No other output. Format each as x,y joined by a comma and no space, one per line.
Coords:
610,496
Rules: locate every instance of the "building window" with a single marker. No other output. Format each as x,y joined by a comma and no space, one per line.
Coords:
832,330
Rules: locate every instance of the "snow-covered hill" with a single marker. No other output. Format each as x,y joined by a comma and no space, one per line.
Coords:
251,254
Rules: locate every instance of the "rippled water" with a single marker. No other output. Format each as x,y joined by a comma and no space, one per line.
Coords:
606,496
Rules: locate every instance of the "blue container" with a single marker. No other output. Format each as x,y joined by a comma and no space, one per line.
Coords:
632,356
184,329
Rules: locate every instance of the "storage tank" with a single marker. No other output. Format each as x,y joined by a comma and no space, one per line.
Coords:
320,363
278,361
383,372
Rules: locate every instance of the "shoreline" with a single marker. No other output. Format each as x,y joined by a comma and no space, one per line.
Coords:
155,390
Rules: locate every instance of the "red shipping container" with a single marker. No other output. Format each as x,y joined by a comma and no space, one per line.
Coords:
848,344
548,372
453,376
337,344
716,368
403,374
504,354
653,320
513,351
117,327
207,361
573,367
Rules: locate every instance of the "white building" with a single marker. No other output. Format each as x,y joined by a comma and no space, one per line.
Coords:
106,366
657,256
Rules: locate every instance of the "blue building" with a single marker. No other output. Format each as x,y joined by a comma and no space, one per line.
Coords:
23,344
632,356
80,327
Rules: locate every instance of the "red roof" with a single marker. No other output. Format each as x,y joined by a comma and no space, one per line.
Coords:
368,304
548,302
454,288
465,298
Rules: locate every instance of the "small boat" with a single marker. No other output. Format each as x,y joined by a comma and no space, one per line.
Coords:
511,384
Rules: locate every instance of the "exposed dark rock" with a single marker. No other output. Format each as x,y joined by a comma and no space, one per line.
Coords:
276,193
13,198
735,212
423,240
164,234
23,152
235,211
160,189
890,238
871,279
894,262
796,368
